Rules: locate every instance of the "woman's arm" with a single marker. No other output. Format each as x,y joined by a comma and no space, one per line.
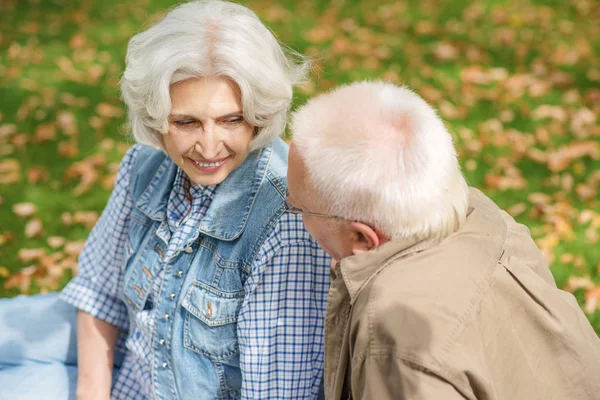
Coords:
96,342
95,290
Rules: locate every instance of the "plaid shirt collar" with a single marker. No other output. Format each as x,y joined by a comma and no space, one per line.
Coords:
186,198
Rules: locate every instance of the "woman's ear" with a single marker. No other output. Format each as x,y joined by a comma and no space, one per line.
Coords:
365,238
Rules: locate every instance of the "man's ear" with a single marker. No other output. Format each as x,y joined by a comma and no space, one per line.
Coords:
365,238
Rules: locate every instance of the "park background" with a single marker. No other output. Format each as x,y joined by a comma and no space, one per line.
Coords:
517,82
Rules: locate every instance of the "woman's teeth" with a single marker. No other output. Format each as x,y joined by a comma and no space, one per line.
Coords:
209,165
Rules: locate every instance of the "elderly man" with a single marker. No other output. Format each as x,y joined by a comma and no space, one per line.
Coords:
439,294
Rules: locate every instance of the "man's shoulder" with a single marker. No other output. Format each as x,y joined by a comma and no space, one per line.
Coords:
423,301
419,314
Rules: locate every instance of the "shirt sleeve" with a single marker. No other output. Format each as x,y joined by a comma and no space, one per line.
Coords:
386,377
95,289
280,325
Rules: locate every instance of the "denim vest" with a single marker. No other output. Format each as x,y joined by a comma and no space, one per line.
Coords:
195,350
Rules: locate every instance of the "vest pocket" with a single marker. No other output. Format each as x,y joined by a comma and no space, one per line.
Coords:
211,320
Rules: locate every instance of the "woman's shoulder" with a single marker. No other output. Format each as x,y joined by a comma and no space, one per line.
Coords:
277,167
139,165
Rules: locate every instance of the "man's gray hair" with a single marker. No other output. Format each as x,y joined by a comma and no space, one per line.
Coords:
210,38
379,154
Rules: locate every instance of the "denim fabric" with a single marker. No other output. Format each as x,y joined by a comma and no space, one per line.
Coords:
195,330
38,348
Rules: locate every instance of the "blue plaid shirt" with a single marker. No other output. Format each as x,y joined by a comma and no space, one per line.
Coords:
280,280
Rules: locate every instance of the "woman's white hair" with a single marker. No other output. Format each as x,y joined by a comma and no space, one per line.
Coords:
378,153
210,38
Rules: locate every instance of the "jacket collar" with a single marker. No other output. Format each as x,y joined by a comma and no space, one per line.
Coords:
232,202
358,270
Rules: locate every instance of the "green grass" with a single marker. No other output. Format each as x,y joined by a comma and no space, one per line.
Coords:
537,38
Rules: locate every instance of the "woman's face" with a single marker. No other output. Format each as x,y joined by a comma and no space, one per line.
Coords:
208,136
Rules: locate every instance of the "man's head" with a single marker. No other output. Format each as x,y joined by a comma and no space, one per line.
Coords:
379,162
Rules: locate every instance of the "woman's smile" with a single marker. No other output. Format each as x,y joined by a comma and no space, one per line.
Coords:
209,166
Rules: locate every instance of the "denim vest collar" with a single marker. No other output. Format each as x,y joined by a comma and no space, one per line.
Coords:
231,205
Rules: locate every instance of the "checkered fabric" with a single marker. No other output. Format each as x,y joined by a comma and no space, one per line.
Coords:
280,325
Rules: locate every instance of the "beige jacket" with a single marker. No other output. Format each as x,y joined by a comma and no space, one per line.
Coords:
477,316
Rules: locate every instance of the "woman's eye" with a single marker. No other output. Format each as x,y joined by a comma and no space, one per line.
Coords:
233,121
186,124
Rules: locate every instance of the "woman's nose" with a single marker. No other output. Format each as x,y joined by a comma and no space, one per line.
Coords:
210,143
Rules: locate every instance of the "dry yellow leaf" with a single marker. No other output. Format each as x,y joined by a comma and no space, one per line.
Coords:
28,255
592,299
44,133
34,228
10,171
86,218
74,248
517,209
67,123
24,210
56,241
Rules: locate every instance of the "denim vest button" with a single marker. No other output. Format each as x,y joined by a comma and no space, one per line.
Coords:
209,310
165,365
172,296
179,273
166,317
161,341
188,250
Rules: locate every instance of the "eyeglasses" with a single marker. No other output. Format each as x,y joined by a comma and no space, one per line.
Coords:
292,209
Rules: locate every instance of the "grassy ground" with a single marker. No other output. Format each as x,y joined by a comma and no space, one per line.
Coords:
517,82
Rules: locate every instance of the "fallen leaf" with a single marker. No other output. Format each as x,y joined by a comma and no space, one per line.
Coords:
567,258
320,34
77,41
74,248
6,237
552,112
67,123
425,28
7,130
24,210
578,282
446,51
585,192
36,175
517,209
68,149
10,171
592,235
56,241
21,280
560,159
29,255
44,133
582,122
86,218
592,299
34,228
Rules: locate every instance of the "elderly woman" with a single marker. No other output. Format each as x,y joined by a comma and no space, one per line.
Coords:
194,283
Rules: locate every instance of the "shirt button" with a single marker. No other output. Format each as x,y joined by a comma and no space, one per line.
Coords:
165,365
161,341
179,273
189,250
172,296
166,317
